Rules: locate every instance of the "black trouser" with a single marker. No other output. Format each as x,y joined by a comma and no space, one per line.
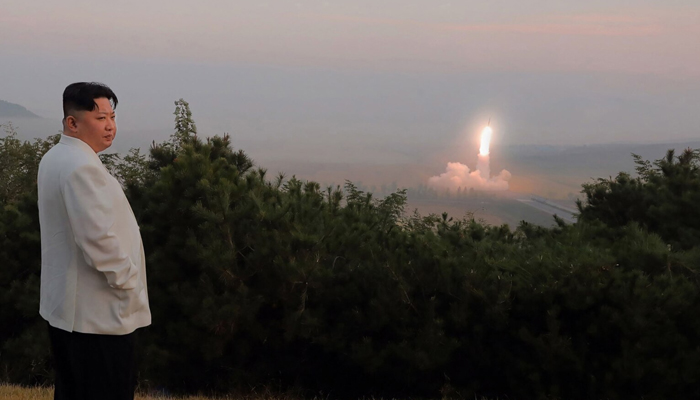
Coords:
93,367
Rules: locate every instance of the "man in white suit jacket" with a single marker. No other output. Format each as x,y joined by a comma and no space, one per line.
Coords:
93,275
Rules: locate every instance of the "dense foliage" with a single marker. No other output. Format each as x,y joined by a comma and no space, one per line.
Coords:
258,281
663,197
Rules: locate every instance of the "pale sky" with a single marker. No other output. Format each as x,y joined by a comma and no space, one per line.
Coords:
358,80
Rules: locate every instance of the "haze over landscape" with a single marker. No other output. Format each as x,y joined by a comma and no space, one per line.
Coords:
350,199
379,93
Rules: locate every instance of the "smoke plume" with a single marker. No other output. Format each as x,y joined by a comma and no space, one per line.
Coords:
458,175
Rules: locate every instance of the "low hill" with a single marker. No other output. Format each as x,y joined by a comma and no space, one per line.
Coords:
11,110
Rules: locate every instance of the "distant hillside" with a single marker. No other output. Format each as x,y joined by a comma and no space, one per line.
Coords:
11,110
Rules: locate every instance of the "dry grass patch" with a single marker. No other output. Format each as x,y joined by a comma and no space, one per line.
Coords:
12,392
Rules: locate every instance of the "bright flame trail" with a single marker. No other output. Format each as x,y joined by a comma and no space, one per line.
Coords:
485,141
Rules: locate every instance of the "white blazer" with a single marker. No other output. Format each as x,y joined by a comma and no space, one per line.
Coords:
93,270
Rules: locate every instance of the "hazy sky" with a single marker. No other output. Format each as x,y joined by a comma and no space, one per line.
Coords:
362,80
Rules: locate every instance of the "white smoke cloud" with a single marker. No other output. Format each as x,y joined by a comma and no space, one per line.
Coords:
458,175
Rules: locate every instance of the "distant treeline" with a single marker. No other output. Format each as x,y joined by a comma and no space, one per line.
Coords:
258,280
420,191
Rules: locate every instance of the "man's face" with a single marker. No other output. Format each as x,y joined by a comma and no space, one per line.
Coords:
97,128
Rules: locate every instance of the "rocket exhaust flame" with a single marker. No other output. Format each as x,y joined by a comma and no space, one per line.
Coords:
485,141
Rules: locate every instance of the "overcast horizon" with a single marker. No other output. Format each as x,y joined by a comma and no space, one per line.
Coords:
380,82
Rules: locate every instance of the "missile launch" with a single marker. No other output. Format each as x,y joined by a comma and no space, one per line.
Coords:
458,175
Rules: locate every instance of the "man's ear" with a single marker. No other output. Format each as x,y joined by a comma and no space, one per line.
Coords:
71,124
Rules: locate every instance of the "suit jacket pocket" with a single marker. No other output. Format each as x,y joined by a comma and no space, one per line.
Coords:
133,300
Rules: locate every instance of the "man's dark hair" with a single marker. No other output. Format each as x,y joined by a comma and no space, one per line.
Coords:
80,96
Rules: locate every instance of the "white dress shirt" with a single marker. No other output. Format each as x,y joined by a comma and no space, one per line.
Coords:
93,270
